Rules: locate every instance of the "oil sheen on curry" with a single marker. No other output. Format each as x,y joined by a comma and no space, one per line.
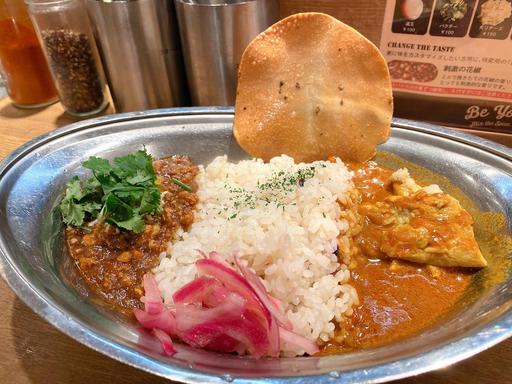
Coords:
409,245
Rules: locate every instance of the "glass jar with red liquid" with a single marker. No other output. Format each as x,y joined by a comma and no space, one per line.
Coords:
29,83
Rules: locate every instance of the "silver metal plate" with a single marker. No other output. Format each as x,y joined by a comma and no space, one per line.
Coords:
33,178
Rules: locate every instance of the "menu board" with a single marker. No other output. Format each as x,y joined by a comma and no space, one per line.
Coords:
457,51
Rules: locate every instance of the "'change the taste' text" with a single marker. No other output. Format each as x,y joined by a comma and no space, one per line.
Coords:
421,47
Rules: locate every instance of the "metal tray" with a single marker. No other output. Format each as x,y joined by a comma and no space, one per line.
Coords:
33,259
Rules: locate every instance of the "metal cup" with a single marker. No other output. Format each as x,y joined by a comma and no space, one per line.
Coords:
214,34
139,45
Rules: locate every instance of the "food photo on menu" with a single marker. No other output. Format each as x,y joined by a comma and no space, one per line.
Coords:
254,191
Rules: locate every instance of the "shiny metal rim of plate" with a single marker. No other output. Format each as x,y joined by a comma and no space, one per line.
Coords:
473,341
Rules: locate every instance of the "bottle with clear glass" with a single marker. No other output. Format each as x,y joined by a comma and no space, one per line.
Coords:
28,80
68,42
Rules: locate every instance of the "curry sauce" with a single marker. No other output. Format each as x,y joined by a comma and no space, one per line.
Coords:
396,302
397,299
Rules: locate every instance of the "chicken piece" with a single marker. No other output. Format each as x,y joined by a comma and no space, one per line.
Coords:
420,224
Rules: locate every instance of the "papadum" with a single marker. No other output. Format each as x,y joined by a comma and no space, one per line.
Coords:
312,87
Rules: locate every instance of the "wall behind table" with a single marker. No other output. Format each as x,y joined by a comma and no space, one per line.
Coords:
365,15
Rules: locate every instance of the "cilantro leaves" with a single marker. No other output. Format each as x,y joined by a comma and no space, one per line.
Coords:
121,193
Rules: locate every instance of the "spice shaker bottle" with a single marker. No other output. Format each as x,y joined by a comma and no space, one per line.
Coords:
29,83
68,42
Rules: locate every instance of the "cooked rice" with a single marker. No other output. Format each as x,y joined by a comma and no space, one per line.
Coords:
286,233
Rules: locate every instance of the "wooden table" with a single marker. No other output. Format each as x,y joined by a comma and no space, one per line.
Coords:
33,351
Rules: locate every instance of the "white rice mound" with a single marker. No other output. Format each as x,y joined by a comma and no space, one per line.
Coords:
288,236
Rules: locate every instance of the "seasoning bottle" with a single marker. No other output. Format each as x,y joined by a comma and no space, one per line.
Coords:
29,83
66,36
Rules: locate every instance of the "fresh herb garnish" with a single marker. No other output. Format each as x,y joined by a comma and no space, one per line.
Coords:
181,184
287,181
273,190
121,193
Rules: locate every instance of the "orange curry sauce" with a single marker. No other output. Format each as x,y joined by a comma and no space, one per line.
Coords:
394,302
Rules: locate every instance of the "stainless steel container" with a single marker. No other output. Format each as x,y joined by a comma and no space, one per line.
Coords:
33,258
214,34
139,45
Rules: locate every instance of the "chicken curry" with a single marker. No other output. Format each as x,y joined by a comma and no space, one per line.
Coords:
400,297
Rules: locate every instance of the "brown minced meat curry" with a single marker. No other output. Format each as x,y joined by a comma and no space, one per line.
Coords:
113,261
397,298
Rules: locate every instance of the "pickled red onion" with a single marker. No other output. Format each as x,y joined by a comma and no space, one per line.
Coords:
223,310
165,341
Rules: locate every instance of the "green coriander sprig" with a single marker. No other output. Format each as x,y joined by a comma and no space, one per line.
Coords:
120,194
